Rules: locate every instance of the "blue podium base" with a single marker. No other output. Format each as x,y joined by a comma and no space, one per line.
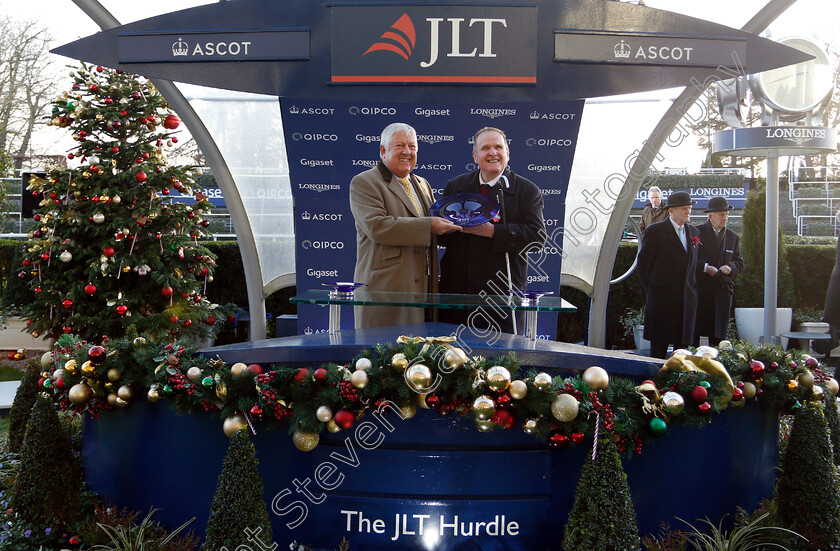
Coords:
426,483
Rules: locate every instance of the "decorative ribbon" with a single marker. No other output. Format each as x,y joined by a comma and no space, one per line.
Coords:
428,341
248,419
597,426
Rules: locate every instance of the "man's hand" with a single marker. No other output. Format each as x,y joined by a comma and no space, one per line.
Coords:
726,270
711,270
484,230
441,226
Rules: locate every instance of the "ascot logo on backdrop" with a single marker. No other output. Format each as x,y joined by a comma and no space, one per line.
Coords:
475,44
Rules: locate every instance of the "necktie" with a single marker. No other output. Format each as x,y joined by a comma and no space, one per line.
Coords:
411,196
720,236
681,232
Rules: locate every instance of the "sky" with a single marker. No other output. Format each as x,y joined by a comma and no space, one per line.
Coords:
811,18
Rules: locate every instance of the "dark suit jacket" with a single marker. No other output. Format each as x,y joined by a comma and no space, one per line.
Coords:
471,263
715,294
668,275
832,295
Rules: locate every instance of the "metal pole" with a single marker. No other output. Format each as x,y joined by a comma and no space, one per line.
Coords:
771,248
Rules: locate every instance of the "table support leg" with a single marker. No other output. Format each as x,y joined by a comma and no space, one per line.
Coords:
335,319
531,325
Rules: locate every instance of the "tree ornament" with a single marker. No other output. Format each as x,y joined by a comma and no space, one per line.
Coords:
344,418
302,375
596,378
65,256
818,393
67,303
498,378
113,374
140,176
98,218
699,393
806,379
706,352
542,381
207,382
363,364
195,374
756,368
749,390
419,377
558,439
657,427
359,379
485,425
673,402
154,394
529,426
577,437
832,386
399,361
705,408
408,410
80,394
323,414
454,358
257,412
46,359
125,393
483,407
238,369
88,369
108,251
255,369
139,341
320,375
421,401
70,367
501,417
332,427
518,390
234,423
171,122
792,386
565,407
737,395
90,289
97,354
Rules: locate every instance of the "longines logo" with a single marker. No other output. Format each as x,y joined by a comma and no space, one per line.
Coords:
535,115
295,110
335,245
390,111
370,163
315,137
493,113
321,216
319,187
433,139
551,191
549,142
796,135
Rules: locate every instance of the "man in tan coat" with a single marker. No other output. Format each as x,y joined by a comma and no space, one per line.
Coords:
395,243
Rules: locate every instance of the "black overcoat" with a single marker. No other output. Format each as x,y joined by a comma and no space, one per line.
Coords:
715,294
668,274
472,264
832,295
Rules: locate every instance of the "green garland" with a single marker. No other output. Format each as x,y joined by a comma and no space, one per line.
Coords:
498,393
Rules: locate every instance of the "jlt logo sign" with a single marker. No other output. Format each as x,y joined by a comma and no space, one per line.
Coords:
445,44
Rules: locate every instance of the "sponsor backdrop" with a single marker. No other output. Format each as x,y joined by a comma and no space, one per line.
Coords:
735,196
328,142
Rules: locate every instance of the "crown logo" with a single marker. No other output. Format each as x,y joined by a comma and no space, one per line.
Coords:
621,50
180,48
535,115
307,331
294,110
305,215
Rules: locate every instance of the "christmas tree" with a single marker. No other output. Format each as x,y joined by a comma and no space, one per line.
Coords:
110,249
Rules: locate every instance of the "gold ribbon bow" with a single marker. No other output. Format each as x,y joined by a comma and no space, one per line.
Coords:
428,341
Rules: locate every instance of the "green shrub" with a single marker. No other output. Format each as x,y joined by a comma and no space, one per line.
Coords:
819,228
809,192
808,491
832,419
238,503
602,517
814,208
48,486
22,406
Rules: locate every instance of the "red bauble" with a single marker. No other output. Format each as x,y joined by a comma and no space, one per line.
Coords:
99,68
699,394
301,375
321,374
171,122
115,149
504,400
140,176
90,288
210,320
793,365
96,354
433,400
577,437
501,417
812,363
173,319
705,408
59,383
255,369
67,329
188,323
756,368
344,418
67,303
166,291
122,309
737,394
774,366
27,262
256,412
108,251
557,439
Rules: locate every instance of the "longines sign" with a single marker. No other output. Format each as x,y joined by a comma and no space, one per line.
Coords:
472,44
759,141
169,47
581,46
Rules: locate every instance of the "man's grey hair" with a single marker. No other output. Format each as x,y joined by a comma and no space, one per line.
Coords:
489,129
654,188
390,130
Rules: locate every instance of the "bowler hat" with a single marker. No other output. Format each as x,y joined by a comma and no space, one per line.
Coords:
718,204
680,199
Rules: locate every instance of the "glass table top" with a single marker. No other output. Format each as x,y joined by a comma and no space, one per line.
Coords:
435,300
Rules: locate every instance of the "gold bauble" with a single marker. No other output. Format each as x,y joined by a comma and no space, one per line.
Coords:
749,390
359,379
110,385
153,395
483,407
120,403
80,394
88,369
113,374
305,441
112,398
221,390
234,423
408,410
806,379
324,414
673,402
485,426
139,341
399,361
596,378
518,390
363,364
332,426
529,425
565,407
195,374
116,199
455,358
421,401
238,369
706,352
792,385
125,393
818,393
419,376
542,381
46,359
70,367
832,386
498,378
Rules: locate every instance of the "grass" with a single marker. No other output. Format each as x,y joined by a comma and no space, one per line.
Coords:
9,373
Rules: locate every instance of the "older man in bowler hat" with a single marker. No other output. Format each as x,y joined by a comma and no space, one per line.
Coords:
719,261
668,269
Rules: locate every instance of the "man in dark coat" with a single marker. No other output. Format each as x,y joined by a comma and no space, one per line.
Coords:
492,257
832,306
719,261
667,267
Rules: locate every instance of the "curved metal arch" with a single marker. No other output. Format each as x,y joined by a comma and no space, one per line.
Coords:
669,121
244,234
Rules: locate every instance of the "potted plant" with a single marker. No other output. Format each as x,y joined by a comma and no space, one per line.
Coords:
633,322
810,320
